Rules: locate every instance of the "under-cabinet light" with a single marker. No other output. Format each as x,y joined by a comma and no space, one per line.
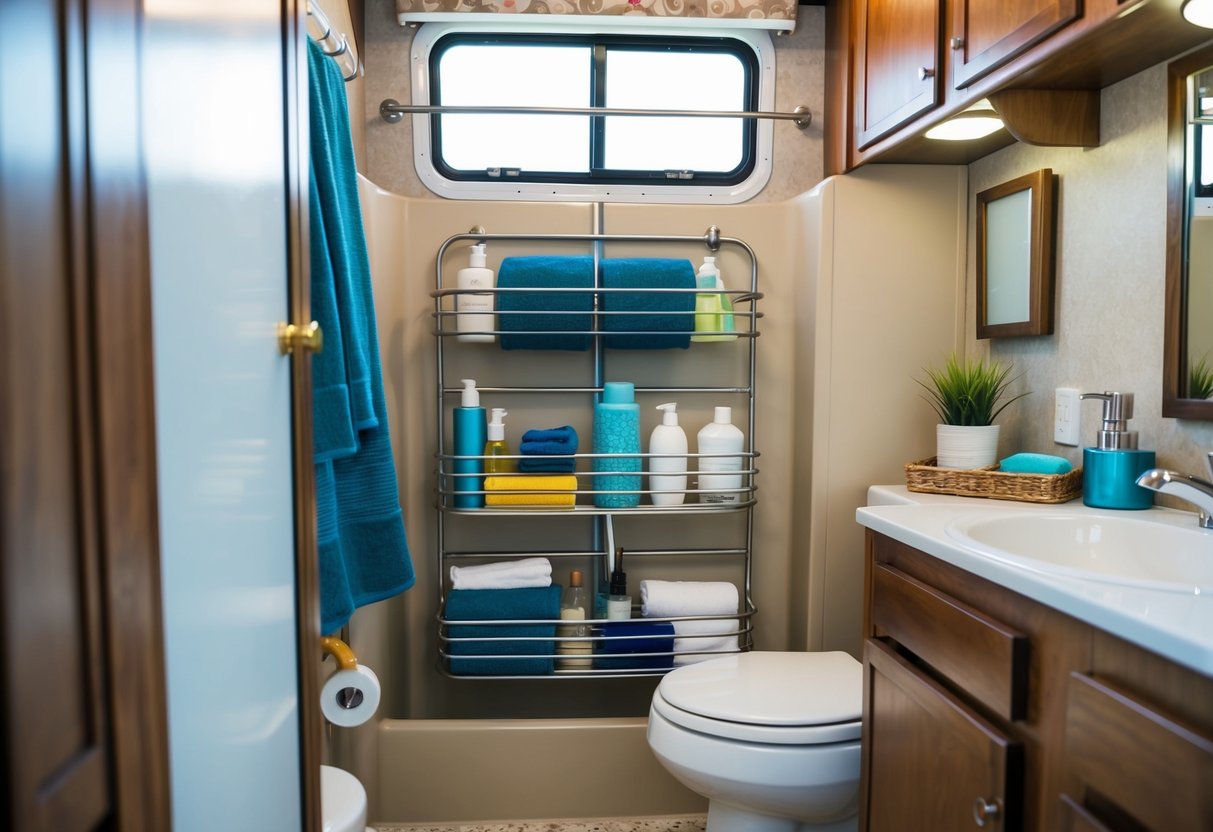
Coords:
977,121
1198,12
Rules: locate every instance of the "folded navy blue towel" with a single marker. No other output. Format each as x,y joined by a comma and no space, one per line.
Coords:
658,312
480,658
547,464
615,654
540,312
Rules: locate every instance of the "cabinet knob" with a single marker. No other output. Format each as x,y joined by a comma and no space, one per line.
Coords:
925,72
957,43
986,811
308,338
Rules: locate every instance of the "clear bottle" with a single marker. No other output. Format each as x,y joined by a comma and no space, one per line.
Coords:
496,446
713,309
668,474
474,307
720,476
574,655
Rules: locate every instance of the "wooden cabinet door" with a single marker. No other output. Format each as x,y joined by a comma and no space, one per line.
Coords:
896,65
929,762
984,34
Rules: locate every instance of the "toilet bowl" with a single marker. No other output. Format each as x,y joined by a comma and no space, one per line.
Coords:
342,801
771,739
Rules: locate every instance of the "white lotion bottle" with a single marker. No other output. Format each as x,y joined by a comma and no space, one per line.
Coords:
720,476
668,475
474,311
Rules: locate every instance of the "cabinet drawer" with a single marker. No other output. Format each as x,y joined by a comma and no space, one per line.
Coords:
1151,767
986,658
931,763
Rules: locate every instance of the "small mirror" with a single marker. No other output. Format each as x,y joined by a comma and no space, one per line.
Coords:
1015,233
1188,353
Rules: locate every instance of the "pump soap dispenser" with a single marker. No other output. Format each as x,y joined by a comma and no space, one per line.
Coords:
1111,468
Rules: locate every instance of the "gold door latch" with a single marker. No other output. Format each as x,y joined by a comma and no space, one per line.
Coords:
309,338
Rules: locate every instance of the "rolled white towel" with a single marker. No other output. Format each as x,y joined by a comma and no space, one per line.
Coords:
666,599
691,637
506,574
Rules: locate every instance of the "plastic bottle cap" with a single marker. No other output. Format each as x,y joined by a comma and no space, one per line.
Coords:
618,392
477,259
669,413
496,426
471,396
709,266
724,416
575,578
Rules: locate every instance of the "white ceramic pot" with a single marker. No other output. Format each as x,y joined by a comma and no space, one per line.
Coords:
966,446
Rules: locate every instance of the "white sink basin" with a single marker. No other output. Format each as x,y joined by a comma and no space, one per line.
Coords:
1134,551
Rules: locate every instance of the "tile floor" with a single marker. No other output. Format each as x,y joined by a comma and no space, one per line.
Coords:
692,823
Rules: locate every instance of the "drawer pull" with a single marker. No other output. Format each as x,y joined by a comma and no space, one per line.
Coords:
986,811
925,72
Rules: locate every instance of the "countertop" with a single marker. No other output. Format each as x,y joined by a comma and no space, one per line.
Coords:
1174,625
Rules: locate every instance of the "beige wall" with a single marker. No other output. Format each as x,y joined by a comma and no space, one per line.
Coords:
1111,255
799,61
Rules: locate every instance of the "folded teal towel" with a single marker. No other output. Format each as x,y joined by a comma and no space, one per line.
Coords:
480,658
1035,464
538,312
663,312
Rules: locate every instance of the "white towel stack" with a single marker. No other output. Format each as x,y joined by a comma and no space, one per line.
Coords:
667,599
507,574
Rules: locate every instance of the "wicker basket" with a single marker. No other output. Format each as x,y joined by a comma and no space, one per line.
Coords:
924,477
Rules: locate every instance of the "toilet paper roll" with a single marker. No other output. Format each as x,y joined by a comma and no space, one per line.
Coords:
350,697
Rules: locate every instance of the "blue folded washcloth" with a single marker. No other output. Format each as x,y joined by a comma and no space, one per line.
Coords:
663,312
550,441
541,312
614,654
541,464
1035,464
531,603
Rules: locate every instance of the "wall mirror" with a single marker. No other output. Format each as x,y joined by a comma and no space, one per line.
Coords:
1188,346
1015,233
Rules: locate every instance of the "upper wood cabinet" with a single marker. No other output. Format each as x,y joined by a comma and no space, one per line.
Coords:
984,34
896,54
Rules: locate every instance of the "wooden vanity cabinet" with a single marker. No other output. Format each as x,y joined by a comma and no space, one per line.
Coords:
982,704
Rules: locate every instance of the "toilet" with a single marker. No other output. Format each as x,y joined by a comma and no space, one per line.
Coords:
771,739
342,801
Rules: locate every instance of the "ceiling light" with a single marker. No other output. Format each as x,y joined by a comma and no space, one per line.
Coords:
1199,12
977,121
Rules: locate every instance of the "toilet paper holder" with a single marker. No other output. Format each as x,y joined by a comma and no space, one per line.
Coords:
346,660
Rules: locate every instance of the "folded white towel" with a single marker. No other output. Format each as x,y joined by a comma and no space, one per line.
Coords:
703,636
665,599
506,574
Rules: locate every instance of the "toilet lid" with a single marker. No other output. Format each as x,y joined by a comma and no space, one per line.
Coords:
816,695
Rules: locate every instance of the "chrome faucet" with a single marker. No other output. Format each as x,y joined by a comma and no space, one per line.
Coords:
1194,490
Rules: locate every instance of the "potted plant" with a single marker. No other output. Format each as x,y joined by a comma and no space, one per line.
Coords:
1200,381
968,398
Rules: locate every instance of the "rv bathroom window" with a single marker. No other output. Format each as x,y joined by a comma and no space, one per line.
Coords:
590,157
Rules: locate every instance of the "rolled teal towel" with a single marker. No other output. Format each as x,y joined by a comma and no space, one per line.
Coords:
1035,464
545,313
657,312
480,658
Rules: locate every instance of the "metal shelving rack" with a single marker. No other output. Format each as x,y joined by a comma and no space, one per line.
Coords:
600,552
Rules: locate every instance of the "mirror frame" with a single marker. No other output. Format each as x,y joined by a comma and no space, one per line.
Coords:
1041,186
1174,350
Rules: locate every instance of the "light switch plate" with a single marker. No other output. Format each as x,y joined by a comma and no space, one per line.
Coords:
1065,416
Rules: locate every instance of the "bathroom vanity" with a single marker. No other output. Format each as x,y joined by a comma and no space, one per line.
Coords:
1006,697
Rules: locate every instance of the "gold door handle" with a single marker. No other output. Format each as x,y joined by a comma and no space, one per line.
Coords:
309,338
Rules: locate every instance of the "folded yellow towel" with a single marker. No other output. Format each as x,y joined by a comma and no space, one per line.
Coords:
531,490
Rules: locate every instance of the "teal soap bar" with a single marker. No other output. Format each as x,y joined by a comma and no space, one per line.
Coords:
1035,464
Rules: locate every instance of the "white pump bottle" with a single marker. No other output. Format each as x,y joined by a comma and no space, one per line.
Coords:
474,311
720,476
668,474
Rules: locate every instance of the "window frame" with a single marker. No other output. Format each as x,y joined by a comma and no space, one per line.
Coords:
753,47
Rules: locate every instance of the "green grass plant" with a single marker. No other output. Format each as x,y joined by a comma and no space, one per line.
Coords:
1200,380
968,393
